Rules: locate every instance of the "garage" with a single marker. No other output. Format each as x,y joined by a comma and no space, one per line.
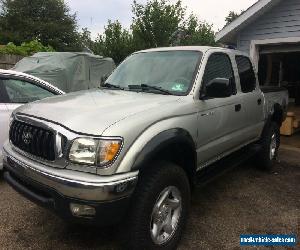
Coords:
269,31
279,66
277,61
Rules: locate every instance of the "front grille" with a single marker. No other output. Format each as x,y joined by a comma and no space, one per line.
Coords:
31,139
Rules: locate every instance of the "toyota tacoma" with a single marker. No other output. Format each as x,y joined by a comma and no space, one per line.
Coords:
133,150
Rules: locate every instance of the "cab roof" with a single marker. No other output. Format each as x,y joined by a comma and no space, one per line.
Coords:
202,49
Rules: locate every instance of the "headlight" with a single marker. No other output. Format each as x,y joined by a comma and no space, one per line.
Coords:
96,152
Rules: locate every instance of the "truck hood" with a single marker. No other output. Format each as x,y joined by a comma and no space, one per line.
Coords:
93,111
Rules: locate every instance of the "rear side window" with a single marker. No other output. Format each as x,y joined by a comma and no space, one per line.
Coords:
19,91
246,72
3,93
219,66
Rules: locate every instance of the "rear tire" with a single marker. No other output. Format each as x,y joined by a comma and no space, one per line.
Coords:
160,207
270,143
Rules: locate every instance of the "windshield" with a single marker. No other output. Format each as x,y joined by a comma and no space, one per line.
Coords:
173,71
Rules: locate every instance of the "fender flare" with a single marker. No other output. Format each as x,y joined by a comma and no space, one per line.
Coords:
277,110
266,126
162,141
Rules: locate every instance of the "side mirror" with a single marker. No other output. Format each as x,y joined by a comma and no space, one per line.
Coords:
218,88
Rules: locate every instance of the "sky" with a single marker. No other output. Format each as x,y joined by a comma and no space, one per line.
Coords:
94,14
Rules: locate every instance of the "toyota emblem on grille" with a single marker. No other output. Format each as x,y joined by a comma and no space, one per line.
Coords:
27,137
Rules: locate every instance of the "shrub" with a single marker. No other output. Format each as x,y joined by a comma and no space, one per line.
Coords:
25,49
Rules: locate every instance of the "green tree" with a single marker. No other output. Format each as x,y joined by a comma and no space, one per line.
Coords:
85,39
231,17
196,33
48,21
115,42
155,22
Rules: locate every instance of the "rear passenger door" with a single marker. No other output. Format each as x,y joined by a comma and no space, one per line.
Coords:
252,97
221,120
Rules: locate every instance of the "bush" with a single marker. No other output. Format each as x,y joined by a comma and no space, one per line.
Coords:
25,49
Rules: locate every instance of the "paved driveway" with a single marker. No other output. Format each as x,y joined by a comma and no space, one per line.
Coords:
244,200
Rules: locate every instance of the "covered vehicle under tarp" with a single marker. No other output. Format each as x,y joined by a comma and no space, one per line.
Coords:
69,71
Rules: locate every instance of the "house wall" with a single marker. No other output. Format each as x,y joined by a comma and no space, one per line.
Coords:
281,21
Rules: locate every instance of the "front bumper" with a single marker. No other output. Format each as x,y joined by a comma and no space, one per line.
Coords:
58,188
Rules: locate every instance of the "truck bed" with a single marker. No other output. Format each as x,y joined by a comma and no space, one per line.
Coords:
275,95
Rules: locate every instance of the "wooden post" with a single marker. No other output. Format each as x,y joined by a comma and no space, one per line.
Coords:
8,61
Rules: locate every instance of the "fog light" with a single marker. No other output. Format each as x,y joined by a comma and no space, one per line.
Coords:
121,187
82,210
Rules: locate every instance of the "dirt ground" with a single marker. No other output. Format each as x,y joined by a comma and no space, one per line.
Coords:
243,201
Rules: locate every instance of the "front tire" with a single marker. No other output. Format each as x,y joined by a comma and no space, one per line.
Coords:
270,143
160,207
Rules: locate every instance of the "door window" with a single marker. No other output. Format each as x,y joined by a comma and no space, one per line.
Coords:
219,66
19,91
3,93
247,75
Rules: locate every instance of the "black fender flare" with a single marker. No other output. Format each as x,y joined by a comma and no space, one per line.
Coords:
266,126
162,141
276,116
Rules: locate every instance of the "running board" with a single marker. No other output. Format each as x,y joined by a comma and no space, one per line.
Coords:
226,164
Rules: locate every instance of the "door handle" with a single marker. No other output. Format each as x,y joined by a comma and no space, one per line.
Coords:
238,107
259,101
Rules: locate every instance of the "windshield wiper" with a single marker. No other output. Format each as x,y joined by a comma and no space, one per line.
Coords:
112,86
146,86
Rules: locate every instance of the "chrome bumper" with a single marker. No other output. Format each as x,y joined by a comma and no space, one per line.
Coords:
69,183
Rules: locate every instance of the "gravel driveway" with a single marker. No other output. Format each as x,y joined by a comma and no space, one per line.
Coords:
244,200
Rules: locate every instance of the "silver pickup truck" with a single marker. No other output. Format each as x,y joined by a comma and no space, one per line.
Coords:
133,150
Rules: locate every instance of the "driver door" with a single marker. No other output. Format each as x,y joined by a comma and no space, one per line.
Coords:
220,120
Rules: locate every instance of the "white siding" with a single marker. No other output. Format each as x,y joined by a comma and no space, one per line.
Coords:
281,21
